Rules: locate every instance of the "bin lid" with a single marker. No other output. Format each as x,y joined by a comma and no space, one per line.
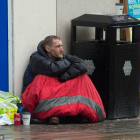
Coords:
105,20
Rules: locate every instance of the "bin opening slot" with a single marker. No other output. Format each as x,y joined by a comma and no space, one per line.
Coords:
124,35
90,34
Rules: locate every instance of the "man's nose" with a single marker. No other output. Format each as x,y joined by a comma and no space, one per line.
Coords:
61,49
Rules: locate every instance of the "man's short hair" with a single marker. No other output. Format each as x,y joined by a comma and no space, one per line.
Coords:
49,40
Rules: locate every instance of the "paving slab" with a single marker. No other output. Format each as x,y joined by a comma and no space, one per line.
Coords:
119,129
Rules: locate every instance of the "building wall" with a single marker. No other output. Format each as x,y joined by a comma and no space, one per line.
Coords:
33,20
70,9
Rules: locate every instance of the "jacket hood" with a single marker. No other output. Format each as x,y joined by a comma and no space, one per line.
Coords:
43,52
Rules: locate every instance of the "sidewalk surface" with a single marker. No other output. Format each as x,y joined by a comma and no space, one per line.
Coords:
120,129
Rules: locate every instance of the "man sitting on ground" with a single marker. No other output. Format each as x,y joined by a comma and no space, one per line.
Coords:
55,84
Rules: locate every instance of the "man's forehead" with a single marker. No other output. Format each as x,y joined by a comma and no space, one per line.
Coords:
56,41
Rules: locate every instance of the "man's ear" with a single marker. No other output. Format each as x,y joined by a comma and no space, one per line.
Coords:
47,48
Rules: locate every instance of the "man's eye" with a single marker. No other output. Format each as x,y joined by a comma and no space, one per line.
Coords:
59,46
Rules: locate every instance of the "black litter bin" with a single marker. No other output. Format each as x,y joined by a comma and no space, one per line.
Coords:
113,66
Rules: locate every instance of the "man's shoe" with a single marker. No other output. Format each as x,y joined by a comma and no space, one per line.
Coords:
80,119
54,121
83,120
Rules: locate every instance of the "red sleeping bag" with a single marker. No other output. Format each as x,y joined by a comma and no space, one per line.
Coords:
46,97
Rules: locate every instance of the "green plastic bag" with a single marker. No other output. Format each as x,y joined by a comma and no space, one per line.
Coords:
8,104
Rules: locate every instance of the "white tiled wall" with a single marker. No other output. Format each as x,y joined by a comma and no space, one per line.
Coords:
33,20
70,9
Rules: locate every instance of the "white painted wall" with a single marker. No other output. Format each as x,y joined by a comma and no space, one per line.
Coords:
33,20
70,9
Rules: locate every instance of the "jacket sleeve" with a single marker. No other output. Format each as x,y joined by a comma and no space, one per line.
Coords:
41,65
77,68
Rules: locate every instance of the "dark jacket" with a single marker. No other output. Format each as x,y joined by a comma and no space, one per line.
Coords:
65,69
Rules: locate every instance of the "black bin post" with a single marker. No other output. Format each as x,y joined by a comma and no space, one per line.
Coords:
113,66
